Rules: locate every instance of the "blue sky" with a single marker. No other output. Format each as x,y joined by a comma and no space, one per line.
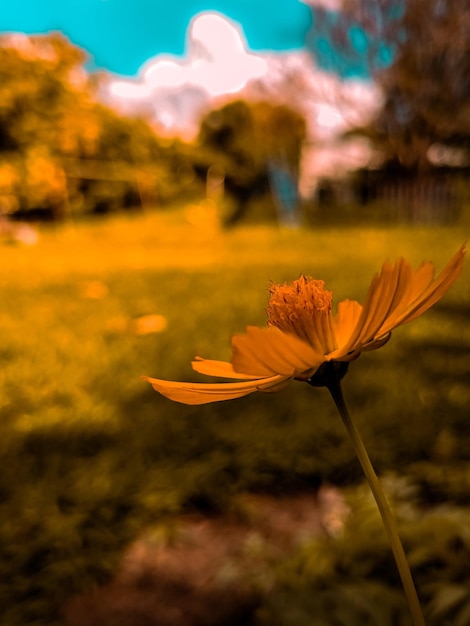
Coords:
120,35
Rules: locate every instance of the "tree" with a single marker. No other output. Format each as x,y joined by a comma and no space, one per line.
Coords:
243,138
427,88
41,91
60,148
426,85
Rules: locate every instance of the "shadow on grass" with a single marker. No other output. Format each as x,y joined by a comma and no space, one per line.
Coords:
79,495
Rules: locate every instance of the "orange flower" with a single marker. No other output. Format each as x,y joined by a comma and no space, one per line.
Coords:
302,333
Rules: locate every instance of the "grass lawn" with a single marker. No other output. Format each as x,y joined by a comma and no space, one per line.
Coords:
91,454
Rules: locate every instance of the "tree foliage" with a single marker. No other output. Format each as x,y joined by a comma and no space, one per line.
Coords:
427,88
426,85
60,150
243,138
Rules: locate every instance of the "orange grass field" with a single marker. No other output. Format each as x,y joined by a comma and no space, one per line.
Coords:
91,455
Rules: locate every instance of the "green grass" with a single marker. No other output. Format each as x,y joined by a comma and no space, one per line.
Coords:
90,454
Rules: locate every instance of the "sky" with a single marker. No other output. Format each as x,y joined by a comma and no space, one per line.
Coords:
121,35
175,60
218,61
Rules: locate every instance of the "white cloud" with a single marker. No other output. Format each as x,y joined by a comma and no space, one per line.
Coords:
220,61
329,104
176,91
329,5
217,63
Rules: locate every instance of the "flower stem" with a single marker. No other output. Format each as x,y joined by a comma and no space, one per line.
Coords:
334,387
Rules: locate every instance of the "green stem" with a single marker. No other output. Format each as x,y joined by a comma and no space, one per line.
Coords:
334,387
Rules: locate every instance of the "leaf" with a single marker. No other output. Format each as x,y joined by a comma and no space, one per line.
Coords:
463,616
449,598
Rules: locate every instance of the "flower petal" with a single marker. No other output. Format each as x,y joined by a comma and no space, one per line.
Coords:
223,369
421,278
203,393
398,295
385,294
267,351
378,342
425,292
345,320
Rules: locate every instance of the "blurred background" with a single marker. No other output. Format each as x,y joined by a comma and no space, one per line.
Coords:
159,166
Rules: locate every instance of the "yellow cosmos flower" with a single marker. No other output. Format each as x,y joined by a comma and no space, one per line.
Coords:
303,334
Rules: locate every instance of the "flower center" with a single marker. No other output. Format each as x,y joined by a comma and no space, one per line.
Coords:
304,309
